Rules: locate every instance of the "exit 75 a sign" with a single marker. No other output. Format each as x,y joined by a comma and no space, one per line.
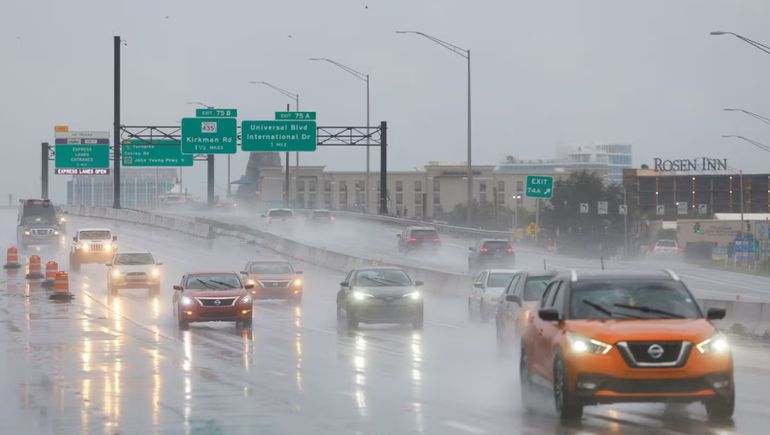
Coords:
539,186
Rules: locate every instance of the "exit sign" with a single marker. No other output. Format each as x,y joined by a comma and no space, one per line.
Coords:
300,116
216,113
539,187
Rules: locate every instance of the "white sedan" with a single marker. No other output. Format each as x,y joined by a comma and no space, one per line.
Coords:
133,270
485,294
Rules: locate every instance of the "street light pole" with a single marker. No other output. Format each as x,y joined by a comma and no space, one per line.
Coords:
365,78
466,54
755,44
295,97
764,119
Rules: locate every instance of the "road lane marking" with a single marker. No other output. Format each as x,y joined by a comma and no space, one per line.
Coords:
464,427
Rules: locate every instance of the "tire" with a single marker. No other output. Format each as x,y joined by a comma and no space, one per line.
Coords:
471,316
352,320
74,264
297,300
502,346
155,289
183,324
721,408
483,312
113,289
567,407
418,322
247,322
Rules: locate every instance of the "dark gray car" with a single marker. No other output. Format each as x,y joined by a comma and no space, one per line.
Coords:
380,295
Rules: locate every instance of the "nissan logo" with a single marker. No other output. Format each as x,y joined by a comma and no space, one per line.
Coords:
218,302
655,351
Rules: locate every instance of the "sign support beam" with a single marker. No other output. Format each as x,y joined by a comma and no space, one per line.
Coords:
210,160
383,166
44,170
116,137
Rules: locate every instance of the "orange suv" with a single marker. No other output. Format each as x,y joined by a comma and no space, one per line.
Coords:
607,337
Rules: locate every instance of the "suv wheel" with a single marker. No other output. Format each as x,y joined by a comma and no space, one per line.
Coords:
566,405
525,382
721,408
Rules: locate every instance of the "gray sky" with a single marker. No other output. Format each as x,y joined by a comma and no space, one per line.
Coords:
544,73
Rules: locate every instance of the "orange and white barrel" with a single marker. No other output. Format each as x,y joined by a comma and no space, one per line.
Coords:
35,268
61,286
51,268
12,258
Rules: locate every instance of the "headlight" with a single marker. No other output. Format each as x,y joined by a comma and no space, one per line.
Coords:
155,273
360,296
415,295
246,299
297,282
116,273
186,301
108,245
55,232
717,343
85,247
62,220
581,344
251,282
26,232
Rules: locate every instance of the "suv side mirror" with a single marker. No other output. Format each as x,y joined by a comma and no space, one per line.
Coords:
345,284
478,285
159,264
715,313
263,216
243,272
178,287
108,264
299,272
419,283
471,248
513,298
74,238
398,236
548,314
248,286
114,238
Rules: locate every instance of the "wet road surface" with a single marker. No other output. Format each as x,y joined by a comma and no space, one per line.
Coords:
103,364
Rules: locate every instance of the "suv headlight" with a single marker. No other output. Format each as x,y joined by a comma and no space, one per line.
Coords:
415,295
297,282
582,344
85,247
108,245
186,301
246,299
360,296
26,232
155,273
116,273
717,343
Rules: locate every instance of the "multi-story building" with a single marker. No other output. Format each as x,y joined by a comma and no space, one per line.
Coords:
139,187
430,191
616,156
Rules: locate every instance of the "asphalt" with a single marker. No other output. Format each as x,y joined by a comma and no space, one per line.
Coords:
102,364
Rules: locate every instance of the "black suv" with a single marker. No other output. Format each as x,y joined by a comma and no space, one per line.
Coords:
490,253
418,237
37,223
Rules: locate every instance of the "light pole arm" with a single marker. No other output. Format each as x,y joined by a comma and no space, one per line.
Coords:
755,44
357,74
759,145
448,45
276,88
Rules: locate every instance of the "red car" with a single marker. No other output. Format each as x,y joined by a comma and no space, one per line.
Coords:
212,296
274,279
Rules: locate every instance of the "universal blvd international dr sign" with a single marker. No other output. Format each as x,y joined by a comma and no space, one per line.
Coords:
291,131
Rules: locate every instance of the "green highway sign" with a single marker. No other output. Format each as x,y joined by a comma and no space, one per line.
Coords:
216,113
278,135
82,150
156,152
209,135
310,116
539,187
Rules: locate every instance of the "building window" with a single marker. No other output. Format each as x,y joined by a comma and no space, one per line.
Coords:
343,194
301,185
519,186
399,198
311,185
327,186
418,186
501,186
483,191
399,186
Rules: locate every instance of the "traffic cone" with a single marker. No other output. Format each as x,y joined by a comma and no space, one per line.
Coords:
51,268
12,261
61,287
35,268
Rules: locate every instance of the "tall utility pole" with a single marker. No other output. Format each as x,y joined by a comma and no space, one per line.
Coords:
116,125
44,170
466,54
365,78
295,97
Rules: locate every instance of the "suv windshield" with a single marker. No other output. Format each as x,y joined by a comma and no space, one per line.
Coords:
535,286
280,213
94,235
632,299
133,259
220,281
425,234
666,243
499,279
277,268
382,278
38,213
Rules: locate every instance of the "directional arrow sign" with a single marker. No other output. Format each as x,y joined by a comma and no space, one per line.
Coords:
539,187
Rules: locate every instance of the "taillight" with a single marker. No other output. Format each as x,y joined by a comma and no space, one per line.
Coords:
412,239
331,218
509,250
269,220
483,250
436,240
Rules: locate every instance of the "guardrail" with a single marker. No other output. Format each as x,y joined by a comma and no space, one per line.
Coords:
745,318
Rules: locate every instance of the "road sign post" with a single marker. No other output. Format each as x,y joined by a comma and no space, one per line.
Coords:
209,135
539,187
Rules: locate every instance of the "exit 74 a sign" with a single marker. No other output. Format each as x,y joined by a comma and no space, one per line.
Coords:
539,187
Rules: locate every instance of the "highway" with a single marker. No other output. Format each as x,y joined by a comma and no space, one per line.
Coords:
102,364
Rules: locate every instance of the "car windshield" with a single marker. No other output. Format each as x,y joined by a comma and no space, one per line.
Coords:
632,299
535,286
382,278
321,214
94,235
499,279
220,281
497,245
425,234
280,213
277,268
666,243
133,259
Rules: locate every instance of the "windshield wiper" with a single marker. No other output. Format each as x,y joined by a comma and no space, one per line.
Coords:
226,285
205,283
605,311
646,309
